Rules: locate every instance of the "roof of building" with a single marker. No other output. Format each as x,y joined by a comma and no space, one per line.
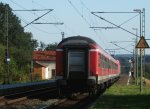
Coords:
41,64
44,55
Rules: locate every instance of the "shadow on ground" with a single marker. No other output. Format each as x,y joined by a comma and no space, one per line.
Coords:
122,102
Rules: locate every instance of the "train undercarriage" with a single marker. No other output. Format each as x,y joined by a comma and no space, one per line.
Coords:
67,88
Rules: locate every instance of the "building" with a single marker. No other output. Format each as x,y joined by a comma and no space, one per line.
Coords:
44,64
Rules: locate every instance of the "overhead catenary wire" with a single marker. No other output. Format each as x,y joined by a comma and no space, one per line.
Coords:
34,14
97,28
57,19
78,12
116,26
122,48
38,18
33,10
86,21
128,20
83,4
22,19
56,23
113,24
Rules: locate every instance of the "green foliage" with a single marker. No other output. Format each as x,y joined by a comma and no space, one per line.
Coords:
37,77
147,70
123,97
42,45
20,44
125,65
2,62
51,46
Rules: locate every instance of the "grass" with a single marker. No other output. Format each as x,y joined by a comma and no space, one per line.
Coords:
123,97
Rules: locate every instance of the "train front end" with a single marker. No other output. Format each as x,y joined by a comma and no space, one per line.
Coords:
72,64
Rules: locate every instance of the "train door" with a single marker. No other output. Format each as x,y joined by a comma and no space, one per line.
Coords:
76,64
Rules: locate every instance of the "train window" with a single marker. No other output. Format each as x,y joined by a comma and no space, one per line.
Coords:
109,64
103,61
99,60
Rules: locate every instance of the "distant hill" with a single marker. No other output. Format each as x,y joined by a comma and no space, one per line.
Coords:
129,56
125,65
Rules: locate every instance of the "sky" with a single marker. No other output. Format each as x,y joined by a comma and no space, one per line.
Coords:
77,19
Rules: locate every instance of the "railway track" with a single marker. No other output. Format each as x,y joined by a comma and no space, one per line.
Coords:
18,97
79,101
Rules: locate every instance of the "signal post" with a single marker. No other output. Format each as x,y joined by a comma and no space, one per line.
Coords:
142,44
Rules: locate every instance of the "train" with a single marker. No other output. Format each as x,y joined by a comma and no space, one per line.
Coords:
83,66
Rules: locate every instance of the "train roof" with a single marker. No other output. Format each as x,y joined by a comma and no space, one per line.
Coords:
77,40
82,40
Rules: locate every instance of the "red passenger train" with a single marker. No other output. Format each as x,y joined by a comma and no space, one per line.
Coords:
82,65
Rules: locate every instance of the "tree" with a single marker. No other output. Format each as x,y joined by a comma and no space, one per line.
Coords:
42,45
2,59
21,44
51,46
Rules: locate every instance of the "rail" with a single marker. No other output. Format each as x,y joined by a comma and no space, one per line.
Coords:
17,97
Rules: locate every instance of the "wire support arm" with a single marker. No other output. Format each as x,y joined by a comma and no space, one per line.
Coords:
38,18
114,24
57,23
122,48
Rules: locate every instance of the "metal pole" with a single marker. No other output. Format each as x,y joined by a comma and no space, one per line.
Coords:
7,77
7,52
134,65
141,82
137,57
143,34
31,70
62,33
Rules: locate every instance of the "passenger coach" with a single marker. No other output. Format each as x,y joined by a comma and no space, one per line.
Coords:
82,65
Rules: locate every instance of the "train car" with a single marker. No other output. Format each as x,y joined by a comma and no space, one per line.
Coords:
82,65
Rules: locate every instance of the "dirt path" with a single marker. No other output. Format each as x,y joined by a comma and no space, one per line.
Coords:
124,78
147,82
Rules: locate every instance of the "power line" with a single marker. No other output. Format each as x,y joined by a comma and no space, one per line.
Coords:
117,26
28,10
128,20
34,10
120,41
79,12
88,11
94,29
49,10
38,18
22,19
56,18
97,28
56,23
85,19
24,9
17,4
113,24
116,12
122,48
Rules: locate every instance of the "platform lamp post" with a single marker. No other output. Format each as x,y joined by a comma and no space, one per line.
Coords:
136,57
